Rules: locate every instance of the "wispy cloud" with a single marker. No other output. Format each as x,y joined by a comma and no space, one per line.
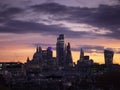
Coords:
102,20
53,18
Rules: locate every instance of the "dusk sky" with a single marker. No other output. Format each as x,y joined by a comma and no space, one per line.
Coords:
93,25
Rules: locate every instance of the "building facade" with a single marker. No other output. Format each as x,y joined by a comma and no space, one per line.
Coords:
108,56
60,50
69,61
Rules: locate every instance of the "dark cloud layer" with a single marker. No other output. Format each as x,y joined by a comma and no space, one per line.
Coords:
7,13
14,26
103,17
52,8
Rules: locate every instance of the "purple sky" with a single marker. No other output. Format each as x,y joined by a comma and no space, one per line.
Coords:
89,24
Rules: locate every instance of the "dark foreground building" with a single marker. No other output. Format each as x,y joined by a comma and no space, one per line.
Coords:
108,55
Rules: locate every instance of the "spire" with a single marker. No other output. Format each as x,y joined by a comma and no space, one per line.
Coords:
37,50
68,45
69,60
81,54
65,50
28,59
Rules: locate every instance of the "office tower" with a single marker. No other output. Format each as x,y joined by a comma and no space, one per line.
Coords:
37,58
69,61
44,55
81,54
49,53
108,56
60,50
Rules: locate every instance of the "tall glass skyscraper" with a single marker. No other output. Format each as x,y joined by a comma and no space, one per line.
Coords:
60,50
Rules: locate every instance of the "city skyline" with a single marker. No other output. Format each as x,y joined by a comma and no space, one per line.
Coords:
91,24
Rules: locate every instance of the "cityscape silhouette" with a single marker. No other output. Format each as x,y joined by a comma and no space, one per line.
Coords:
59,45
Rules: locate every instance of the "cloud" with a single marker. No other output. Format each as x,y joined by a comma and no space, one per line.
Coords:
89,48
92,48
104,17
51,8
86,48
7,13
43,45
95,49
53,18
18,27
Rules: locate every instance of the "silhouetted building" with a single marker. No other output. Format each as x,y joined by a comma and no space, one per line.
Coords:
37,57
81,55
44,55
69,61
36,62
84,63
49,53
60,53
42,60
48,60
108,56
12,69
86,58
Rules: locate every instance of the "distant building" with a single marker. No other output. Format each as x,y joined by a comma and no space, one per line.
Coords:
49,53
108,56
37,57
69,61
83,58
81,55
42,59
84,63
12,69
86,58
60,50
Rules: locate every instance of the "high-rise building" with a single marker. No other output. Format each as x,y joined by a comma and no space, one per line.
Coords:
60,50
81,54
108,56
49,53
69,61
37,58
46,57
42,59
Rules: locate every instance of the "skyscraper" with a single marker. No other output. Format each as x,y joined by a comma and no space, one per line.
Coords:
69,61
49,53
108,55
47,57
81,54
60,50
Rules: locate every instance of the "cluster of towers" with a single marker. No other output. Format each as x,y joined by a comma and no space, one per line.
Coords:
44,58
63,59
41,59
63,53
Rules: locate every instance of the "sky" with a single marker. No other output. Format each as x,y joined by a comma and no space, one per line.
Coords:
93,25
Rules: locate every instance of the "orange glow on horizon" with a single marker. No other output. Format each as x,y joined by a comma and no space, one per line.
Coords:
21,55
